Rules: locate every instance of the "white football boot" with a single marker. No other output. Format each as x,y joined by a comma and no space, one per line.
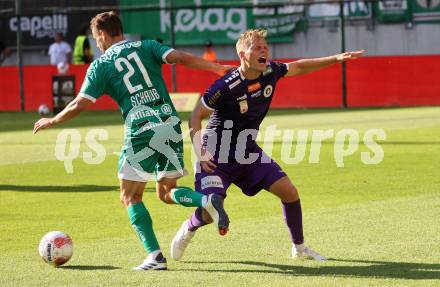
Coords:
153,262
304,252
214,206
181,241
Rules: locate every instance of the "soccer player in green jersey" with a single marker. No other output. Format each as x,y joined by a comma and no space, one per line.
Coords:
130,72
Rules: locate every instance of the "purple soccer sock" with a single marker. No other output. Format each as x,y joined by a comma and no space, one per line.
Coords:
196,220
293,217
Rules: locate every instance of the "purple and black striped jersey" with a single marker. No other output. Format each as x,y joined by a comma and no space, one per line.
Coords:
239,106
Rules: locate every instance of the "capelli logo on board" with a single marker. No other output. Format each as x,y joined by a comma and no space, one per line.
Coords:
40,26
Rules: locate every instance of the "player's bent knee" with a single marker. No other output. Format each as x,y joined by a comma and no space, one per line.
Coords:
291,196
288,194
123,199
295,192
130,199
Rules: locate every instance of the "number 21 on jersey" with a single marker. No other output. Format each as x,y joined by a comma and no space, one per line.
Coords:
126,61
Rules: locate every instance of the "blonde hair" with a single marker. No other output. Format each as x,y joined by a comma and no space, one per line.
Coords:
246,38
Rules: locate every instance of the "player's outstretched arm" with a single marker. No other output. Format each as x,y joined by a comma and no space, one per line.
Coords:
305,66
75,107
194,62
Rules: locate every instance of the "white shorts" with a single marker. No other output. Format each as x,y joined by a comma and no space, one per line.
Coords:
130,173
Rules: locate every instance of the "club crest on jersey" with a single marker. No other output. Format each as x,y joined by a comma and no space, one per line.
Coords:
254,87
243,106
267,91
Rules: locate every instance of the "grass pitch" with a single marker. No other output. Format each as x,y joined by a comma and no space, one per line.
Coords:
378,224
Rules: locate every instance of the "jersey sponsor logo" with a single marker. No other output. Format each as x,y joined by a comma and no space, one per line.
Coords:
267,91
243,106
212,181
244,97
268,71
113,52
146,126
144,114
256,94
212,100
254,87
118,48
166,109
234,84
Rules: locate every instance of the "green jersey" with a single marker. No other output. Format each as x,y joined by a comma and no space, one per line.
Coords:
130,72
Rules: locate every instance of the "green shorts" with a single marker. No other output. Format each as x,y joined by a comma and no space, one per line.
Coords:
153,158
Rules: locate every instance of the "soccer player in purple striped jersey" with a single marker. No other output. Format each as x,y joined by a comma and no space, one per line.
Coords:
237,104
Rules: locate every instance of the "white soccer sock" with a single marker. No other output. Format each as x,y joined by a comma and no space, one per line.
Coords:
204,201
300,247
153,254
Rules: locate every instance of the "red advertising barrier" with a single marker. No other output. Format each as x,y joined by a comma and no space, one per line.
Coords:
38,88
321,89
394,81
9,89
371,81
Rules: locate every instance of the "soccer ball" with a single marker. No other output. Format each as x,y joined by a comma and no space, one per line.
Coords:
62,68
43,110
56,248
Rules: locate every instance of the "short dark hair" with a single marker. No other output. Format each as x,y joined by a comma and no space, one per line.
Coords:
109,22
